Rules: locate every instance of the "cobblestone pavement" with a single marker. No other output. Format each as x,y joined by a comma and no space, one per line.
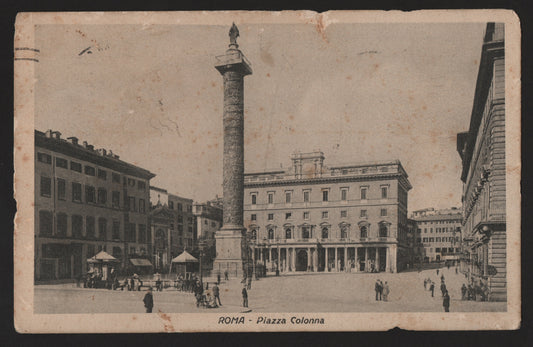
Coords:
333,292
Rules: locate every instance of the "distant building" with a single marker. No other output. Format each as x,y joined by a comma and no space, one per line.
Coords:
86,200
173,226
482,151
339,218
208,219
438,234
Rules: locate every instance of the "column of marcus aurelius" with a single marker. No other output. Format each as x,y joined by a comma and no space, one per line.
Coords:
230,241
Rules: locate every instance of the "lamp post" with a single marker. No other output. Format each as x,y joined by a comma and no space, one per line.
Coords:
201,246
277,256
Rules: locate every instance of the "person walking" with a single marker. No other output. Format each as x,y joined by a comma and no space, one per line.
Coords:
244,297
216,294
218,278
456,270
148,300
198,292
377,288
446,302
437,272
432,288
386,291
463,292
425,283
249,282
443,288
226,275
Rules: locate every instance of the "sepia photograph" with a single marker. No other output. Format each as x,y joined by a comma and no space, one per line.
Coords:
267,171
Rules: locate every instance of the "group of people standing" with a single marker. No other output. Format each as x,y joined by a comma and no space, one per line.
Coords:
475,291
382,290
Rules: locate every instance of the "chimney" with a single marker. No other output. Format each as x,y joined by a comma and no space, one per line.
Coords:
102,151
90,147
56,135
48,133
85,144
73,140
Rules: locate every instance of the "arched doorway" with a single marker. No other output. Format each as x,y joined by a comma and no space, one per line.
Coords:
301,260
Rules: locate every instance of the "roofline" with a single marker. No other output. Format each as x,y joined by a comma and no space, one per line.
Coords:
81,153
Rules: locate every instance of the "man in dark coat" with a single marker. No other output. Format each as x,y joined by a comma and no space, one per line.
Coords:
378,288
244,297
446,302
443,288
198,292
216,294
432,288
149,301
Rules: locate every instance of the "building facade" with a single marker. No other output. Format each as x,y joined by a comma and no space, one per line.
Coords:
482,151
86,200
172,225
438,233
317,218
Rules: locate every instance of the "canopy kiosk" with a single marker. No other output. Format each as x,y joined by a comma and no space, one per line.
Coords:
185,264
100,266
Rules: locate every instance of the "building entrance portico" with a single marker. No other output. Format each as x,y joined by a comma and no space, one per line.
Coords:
302,260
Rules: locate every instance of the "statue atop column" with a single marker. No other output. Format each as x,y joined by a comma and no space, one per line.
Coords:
233,34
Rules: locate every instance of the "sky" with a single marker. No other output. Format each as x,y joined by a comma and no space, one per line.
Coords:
357,92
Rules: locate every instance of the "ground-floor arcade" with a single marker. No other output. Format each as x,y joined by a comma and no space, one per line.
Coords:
327,258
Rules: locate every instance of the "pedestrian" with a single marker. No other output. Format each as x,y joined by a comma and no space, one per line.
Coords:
216,294
442,278
377,289
437,272
456,270
446,302
425,283
380,290
463,292
149,301
198,293
432,288
470,292
386,291
249,282
443,288
226,275
218,278
244,297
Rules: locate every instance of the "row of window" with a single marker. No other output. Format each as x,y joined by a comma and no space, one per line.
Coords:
440,239
306,233
90,170
90,228
445,250
441,230
439,222
363,192
179,206
325,215
92,195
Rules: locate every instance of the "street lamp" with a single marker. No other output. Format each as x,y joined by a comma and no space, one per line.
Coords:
201,246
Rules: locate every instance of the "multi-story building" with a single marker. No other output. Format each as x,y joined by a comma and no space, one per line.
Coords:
173,226
86,200
438,233
482,151
208,220
314,218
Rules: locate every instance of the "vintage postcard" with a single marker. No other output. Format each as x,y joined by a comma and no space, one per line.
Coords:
267,171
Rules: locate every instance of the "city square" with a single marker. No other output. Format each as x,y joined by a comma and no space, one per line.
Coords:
335,292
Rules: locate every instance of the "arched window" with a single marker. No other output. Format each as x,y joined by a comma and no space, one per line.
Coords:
271,234
383,230
364,231
288,233
344,232
325,233
306,233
